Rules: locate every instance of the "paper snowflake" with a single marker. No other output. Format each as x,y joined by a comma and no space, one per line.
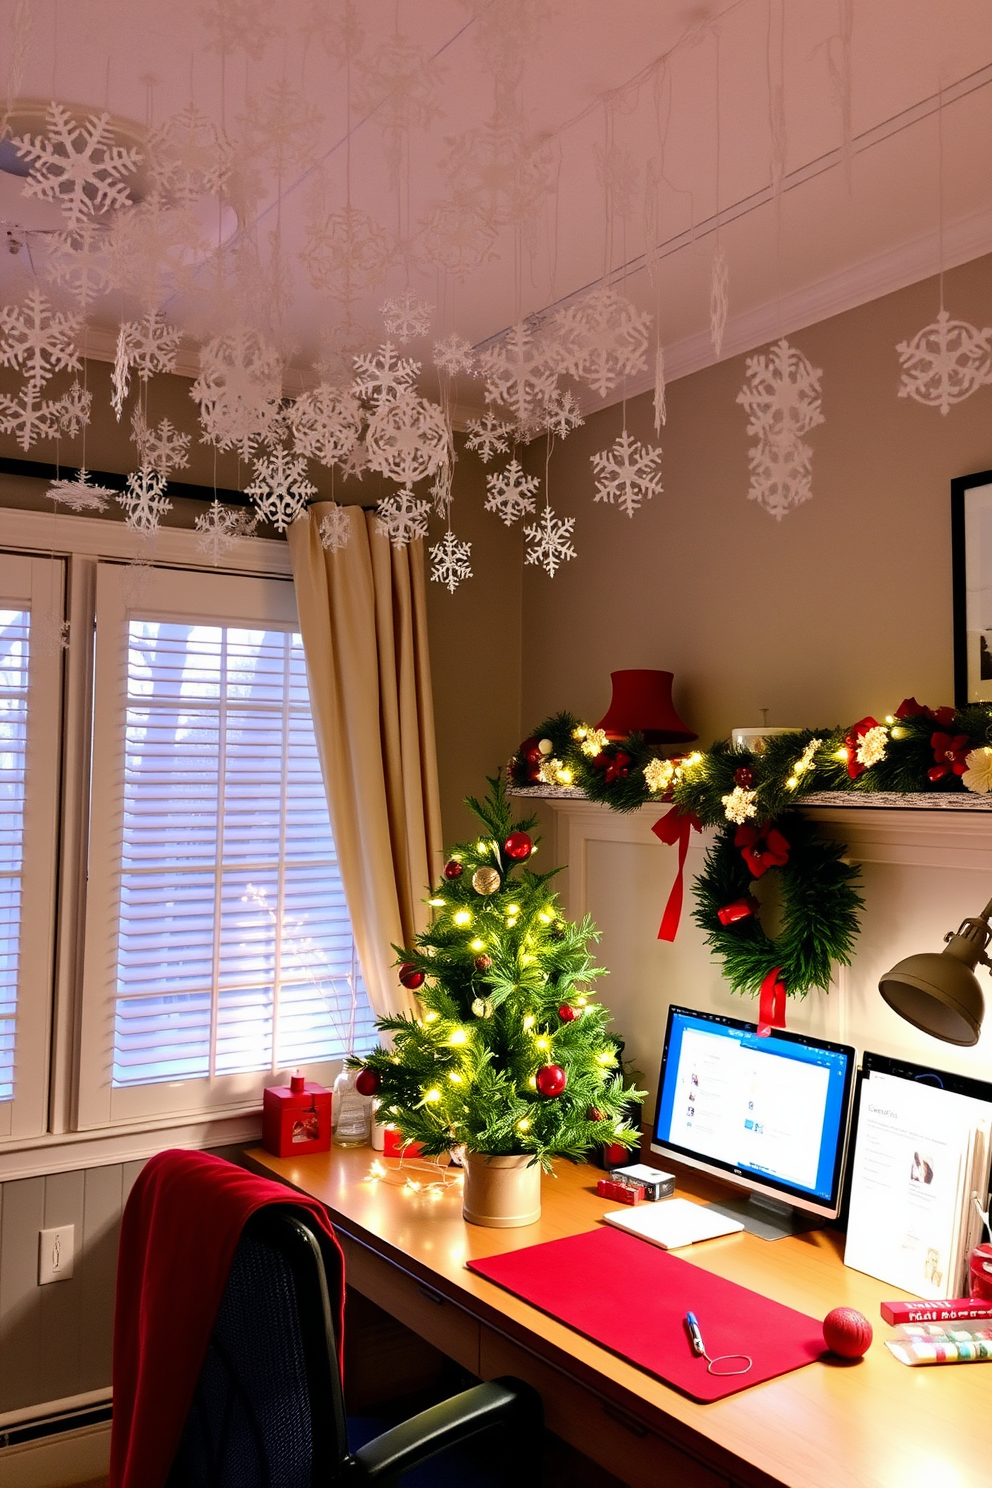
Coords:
326,423
441,492
511,493
79,166
561,413
78,262
458,236
402,517
280,489
521,372
781,394
282,128
601,339
155,249
407,438
382,375
718,299
221,528
239,391
449,562
79,495
627,473
37,340
406,317
143,346
187,158
239,24
28,416
163,448
739,804
74,410
335,528
945,362
549,539
144,499
454,354
355,462
499,168
660,406
488,436
346,254
781,475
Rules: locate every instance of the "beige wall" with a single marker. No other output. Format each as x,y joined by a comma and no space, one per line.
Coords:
841,609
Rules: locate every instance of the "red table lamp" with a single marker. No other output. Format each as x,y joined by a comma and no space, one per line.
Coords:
642,702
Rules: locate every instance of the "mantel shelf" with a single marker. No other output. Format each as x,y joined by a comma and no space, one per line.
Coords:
849,800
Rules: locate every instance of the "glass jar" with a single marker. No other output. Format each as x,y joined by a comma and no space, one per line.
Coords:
351,1113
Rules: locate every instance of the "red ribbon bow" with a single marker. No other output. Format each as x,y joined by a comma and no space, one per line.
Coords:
950,752
851,742
675,827
740,909
771,1003
616,766
762,848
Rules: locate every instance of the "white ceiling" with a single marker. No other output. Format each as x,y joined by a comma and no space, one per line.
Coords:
682,98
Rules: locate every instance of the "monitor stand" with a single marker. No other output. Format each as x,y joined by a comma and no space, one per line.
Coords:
768,1218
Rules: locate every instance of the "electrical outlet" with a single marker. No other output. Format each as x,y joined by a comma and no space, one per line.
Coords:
56,1250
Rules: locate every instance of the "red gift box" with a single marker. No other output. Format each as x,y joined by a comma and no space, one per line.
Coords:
296,1118
394,1145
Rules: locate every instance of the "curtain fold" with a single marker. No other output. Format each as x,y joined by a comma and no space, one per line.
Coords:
363,620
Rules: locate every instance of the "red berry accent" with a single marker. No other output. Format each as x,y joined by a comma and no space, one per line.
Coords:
530,750
411,977
567,1014
367,1082
483,963
594,1114
744,777
847,1332
518,846
453,869
551,1080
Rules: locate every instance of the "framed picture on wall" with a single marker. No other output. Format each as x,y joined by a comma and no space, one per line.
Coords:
971,556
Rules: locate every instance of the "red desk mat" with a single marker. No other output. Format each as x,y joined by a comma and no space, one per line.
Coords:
632,1298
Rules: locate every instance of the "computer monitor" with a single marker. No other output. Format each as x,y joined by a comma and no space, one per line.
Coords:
769,1113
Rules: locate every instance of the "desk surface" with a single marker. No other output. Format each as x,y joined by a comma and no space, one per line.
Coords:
874,1423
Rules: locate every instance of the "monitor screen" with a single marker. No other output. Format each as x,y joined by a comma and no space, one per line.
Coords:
769,1111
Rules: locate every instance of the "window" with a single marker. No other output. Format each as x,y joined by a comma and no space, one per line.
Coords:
218,947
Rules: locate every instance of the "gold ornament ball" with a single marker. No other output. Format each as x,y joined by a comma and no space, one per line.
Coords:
485,880
482,1007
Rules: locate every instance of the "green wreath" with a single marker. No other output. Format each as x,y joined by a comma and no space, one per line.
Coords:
820,905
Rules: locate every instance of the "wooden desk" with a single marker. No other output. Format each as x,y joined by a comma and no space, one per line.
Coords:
874,1423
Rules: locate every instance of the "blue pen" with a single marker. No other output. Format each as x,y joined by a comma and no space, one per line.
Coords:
699,1349
695,1336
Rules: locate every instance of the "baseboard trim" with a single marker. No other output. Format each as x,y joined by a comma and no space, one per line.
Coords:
79,1455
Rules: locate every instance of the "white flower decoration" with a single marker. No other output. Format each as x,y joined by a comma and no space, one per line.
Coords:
871,746
978,776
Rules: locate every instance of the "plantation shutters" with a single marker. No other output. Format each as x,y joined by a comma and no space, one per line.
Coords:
31,639
219,946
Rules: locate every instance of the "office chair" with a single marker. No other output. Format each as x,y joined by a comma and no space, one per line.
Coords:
268,1411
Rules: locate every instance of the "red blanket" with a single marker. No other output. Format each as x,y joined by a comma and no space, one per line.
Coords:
179,1233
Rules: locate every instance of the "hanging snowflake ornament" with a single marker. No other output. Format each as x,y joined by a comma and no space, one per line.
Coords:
781,475
145,347
144,499
280,489
549,541
154,250
719,280
382,376
441,492
602,338
74,410
164,448
326,423
501,171
355,462
80,166
406,317
38,340
335,528
239,391
346,254
521,372
488,436
79,495
449,562
782,399
29,417
511,493
244,25
627,473
187,158
453,355
221,528
407,438
660,405
945,362
78,262
458,236
561,413
402,518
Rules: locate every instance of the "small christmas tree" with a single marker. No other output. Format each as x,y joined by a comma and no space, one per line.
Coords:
509,1054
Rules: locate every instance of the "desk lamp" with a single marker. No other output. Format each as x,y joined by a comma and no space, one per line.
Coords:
937,991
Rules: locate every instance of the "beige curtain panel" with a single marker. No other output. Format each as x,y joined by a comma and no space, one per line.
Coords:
364,625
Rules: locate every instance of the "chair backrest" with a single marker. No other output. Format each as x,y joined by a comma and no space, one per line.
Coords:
268,1410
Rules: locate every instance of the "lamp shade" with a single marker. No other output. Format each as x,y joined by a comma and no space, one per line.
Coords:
938,992
642,703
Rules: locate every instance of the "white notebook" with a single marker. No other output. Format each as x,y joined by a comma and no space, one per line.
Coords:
672,1223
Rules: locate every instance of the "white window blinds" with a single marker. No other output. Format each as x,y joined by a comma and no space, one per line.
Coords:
15,627
232,950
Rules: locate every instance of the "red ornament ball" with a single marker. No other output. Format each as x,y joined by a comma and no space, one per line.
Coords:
530,750
453,869
847,1332
518,846
551,1080
411,977
744,777
567,1014
367,1082
483,963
